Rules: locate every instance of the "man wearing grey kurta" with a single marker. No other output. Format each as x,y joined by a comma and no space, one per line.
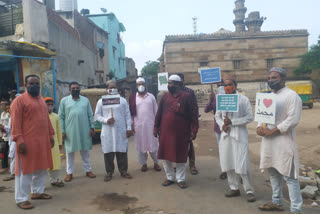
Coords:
116,128
77,126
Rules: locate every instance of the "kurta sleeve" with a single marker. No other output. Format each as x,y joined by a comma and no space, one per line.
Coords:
219,119
62,115
58,130
157,122
90,115
211,106
17,109
195,103
51,130
194,113
248,116
98,115
7,128
294,106
128,116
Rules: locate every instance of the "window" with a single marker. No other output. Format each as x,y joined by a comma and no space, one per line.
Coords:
114,52
269,63
203,63
236,64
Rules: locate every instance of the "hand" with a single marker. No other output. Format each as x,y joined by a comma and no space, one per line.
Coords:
133,130
91,133
225,128
260,131
60,147
64,137
52,142
211,97
129,133
22,148
227,121
111,121
193,135
268,132
155,133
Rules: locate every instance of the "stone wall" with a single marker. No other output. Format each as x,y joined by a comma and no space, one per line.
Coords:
187,54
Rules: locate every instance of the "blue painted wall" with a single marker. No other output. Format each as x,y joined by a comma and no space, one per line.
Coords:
116,48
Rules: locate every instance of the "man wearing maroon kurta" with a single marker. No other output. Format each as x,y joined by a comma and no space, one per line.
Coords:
176,125
33,133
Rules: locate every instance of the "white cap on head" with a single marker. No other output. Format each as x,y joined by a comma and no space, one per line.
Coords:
140,79
175,78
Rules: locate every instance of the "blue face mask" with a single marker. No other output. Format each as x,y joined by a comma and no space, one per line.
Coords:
34,90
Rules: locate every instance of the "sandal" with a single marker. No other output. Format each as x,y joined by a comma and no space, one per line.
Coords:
58,184
167,183
126,175
182,185
194,170
26,205
107,178
223,176
270,207
40,196
12,177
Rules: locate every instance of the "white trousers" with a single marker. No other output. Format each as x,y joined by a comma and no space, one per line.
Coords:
234,181
179,175
35,182
143,157
12,165
85,155
53,175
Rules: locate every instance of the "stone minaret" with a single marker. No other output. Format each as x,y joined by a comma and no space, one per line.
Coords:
240,13
254,22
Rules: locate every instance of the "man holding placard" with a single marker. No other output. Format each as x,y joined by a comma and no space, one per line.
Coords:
112,111
279,152
232,116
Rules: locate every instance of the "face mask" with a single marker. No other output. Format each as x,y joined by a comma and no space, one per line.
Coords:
275,85
141,88
34,90
229,89
75,93
172,89
113,91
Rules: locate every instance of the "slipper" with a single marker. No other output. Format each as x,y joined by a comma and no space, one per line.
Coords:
9,178
194,170
223,176
271,207
126,175
26,205
58,184
167,183
107,178
182,185
40,196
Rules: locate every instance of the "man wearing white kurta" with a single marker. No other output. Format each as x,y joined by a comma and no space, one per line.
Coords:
279,152
233,148
143,109
116,128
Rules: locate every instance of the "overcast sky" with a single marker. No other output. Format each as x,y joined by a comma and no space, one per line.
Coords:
148,21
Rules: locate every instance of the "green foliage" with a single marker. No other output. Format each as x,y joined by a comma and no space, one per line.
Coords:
309,61
151,68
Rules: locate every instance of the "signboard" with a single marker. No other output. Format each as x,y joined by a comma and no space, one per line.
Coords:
111,101
210,75
228,102
162,81
265,109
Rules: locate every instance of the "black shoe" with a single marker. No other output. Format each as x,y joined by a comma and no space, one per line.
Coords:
232,193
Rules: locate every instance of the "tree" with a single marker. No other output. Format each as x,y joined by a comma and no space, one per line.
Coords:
310,61
151,68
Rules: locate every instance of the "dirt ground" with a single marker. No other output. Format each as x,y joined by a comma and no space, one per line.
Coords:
144,193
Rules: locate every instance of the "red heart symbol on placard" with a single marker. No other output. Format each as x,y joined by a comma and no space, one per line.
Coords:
267,102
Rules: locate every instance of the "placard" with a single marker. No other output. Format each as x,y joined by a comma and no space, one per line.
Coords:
228,102
210,75
162,81
111,101
265,109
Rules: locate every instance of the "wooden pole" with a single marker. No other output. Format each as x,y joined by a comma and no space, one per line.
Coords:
111,112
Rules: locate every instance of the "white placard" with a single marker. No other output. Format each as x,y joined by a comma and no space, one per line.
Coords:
265,109
162,81
111,101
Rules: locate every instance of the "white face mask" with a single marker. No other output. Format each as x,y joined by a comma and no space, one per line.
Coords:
141,88
113,91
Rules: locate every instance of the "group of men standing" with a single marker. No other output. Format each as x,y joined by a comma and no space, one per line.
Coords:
165,132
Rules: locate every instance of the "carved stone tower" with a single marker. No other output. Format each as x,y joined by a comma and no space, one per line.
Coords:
254,22
240,13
